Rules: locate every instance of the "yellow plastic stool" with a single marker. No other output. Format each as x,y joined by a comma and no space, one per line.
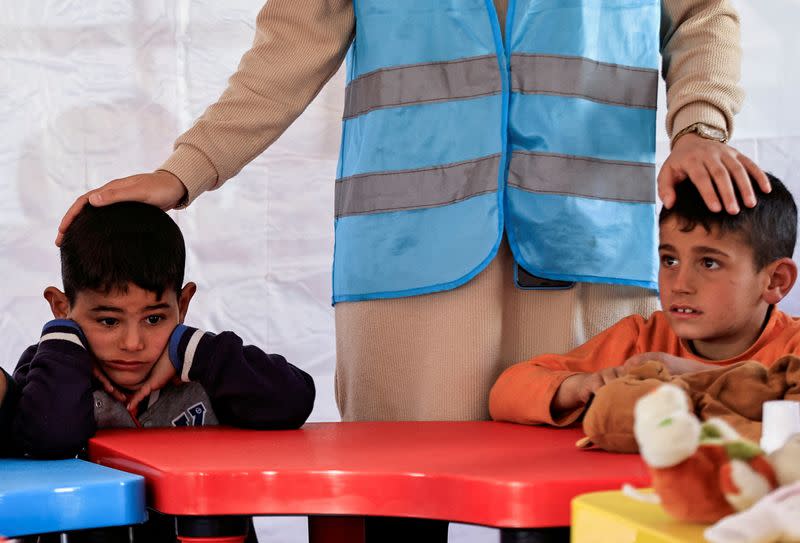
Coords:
612,517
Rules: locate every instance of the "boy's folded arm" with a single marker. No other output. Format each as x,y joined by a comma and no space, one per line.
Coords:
54,416
248,387
525,392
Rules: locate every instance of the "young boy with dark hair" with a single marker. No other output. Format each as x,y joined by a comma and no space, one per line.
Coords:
720,278
121,313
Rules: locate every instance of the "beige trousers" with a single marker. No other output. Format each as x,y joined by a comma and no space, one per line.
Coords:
435,357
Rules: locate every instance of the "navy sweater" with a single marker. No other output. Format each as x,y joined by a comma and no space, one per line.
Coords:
60,405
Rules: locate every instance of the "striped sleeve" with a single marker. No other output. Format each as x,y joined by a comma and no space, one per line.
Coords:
248,387
183,348
54,416
63,330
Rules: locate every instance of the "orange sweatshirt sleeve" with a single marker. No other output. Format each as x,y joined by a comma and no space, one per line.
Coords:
524,392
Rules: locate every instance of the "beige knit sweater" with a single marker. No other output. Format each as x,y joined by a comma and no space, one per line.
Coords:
299,45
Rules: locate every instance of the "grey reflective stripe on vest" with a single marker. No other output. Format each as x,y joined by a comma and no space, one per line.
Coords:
479,76
580,176
422,83
414,189
574,76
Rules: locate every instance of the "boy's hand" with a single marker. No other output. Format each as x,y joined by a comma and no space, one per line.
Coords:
161,189
108,386
713,167
675,364
160,376
98,374
577,390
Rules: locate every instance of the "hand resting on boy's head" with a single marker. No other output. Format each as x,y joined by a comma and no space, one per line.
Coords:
160,188
715,168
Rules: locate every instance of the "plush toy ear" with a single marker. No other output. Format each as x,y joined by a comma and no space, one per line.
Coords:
666,431
669,442
660,404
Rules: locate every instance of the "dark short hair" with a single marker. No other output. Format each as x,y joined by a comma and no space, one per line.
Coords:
770,227
107,248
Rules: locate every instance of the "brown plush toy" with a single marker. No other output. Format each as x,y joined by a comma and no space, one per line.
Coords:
697,433
732,393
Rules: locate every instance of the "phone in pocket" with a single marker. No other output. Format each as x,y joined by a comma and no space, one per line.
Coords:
528,281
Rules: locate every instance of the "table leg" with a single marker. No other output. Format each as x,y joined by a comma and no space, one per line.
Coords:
117,534
335,529
538,535
212,529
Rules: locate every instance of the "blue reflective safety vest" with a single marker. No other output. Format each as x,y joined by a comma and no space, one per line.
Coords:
451,138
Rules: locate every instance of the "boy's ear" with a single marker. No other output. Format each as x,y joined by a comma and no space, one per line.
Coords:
59,304
183,300
782,275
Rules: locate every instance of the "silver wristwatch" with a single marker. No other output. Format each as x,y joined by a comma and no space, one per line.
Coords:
705,131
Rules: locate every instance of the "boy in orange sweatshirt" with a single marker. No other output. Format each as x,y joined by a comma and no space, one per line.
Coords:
720,277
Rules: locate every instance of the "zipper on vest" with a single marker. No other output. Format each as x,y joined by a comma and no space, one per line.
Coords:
510,11
504,63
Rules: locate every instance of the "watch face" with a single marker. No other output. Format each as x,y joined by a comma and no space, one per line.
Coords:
710,132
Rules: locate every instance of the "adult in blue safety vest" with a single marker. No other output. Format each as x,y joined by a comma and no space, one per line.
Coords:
478,135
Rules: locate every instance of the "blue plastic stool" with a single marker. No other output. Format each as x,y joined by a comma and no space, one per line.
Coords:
45,496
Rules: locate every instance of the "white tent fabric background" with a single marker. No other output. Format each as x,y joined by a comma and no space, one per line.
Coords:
98,90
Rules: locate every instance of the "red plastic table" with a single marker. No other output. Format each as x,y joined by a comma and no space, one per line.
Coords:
494,474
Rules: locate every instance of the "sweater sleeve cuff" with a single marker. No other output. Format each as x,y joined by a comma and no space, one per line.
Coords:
182,349
567,417
194,169
699,112
63,330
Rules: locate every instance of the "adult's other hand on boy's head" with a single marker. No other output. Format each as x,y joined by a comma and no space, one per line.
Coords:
674,364
161,375
714,168
161,189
